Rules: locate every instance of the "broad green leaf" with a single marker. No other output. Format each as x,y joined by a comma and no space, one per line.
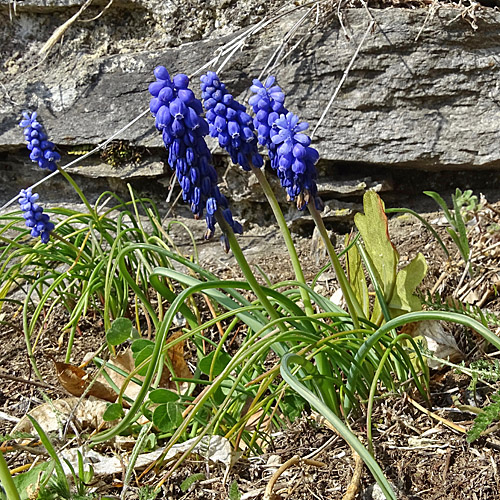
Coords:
220,363
375,233
141,356
168,417
163,396
120,331
139,344
407,280
26,482
113,412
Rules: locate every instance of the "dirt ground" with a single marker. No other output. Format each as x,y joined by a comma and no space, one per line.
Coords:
425,455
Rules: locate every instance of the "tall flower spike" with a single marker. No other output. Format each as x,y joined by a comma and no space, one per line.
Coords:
178,117
42,150
229,122
289,149
35,218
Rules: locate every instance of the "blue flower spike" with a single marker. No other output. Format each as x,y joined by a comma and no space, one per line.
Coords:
42,150
229,122
178,116
35,218
289,148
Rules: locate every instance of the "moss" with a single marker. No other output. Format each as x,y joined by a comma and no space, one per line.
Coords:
119,152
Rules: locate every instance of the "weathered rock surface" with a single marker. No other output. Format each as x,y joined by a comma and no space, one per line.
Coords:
426,103
422,93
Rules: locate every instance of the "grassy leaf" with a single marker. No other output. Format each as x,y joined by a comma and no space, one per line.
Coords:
189,481
234,492
356,277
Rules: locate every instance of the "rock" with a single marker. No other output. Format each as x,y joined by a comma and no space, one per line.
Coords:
427,104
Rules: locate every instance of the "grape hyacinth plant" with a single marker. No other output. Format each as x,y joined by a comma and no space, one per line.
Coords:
178,116
42,150
35,218
333,359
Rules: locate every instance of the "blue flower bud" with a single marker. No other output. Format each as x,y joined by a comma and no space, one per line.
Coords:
33,214
229,122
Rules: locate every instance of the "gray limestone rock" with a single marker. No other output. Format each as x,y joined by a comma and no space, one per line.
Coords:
422,92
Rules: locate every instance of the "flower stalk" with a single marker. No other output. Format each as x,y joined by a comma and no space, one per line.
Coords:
280,219
245,267
351,301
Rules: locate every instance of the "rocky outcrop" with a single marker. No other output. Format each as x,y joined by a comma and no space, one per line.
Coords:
423,91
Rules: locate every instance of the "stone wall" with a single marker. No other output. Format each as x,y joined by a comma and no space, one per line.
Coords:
422,94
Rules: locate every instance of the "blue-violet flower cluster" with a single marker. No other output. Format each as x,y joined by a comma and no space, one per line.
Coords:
35,218
42,150
289,149
229,122
178,117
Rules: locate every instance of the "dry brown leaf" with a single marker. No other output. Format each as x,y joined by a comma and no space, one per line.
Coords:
75,381
52,415
176,355
440,341
125,361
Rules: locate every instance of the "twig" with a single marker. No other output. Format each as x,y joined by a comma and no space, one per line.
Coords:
59,32
430,14
446,422
344,77
98,15
26,381
353,487
268,493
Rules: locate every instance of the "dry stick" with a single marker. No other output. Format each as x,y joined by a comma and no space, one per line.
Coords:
353,487
98,15
285,39
344,77
25,381
268,494
446,422
59,32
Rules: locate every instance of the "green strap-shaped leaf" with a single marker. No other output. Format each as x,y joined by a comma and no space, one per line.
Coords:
357,279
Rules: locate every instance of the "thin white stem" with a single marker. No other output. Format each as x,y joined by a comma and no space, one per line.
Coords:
344,77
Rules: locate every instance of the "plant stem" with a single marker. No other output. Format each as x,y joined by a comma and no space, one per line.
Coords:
245,268
79,192
352,304
280,219
7,481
